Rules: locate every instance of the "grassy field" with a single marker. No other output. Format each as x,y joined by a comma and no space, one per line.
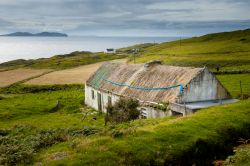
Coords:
232,83
32,105
76,75
228,50
10,77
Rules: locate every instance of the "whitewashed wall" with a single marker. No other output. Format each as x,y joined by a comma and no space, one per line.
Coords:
204,87
150,112
104,98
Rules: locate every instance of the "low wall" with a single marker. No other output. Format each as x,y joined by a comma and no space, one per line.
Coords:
179,108
231,72
149,112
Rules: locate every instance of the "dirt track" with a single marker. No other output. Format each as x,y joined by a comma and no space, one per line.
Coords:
76,75
13,76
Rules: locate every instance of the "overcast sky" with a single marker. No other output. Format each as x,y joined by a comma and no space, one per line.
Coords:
125,17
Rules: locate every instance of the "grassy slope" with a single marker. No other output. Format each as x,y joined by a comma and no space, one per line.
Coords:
62,61
138,142
189,140
30,122
228,49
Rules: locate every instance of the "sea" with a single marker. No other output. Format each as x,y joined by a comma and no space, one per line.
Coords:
12,48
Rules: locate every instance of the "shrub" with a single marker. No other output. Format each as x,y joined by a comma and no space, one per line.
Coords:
86,131
124,110
1,97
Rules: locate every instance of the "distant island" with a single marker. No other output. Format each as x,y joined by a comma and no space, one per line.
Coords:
42,34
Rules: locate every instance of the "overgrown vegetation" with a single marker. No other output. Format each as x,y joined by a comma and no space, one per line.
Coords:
124,110
199,139
241,157
28,124
23,142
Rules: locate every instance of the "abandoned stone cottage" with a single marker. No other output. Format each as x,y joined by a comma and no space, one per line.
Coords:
185,89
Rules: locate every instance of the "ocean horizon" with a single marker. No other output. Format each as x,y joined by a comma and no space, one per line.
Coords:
12,48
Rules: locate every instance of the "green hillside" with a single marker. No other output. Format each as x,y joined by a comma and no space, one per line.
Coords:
62,61
228,49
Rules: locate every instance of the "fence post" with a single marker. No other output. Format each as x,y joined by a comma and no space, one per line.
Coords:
134,58
241,94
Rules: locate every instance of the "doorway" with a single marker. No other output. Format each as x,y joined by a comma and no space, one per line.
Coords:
99,101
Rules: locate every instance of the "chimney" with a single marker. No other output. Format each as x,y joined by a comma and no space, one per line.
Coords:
152,63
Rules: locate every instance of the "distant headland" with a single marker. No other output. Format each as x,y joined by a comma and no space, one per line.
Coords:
42,34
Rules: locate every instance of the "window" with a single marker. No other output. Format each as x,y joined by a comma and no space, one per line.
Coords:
143,113
93,94
109,100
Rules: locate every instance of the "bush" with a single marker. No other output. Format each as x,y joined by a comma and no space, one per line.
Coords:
123,111
1,97
86,131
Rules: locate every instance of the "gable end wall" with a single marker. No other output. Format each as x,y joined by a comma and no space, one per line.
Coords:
203,87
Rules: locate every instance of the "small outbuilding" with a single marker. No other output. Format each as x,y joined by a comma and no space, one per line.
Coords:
110,50
183,89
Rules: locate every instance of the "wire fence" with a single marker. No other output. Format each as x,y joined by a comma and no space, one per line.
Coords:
239,88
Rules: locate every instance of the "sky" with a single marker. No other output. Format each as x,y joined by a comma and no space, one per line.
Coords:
125,17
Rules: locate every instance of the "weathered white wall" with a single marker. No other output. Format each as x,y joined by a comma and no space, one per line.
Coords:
202,88
104,98
149,112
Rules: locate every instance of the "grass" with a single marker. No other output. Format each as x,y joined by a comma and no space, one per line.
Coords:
60,62
31,105
225,50
31,119
196,139
232,83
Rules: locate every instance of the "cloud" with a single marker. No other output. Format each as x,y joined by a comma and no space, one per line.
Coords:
101,17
